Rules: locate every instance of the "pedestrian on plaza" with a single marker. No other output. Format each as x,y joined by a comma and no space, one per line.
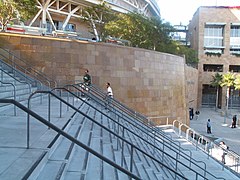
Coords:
209,130
197,114
234,121
224,151
191,114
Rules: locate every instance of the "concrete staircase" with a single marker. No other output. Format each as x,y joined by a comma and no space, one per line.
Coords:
117,136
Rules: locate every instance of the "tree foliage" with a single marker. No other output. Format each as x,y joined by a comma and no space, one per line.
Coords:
149,33
16,9
227,80
97,16
6,12
143,32
217,79
237,82
25,8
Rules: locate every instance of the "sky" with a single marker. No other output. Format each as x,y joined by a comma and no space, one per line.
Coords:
181,11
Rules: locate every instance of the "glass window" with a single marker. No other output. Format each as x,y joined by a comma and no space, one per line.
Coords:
235,39
213,35
235,31
213,67
234,68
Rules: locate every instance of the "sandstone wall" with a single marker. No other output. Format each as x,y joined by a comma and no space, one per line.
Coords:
151,82
191,76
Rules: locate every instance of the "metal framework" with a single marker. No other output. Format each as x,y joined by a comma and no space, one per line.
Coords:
77,9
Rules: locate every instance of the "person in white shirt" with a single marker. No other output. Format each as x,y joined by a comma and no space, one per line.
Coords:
109,95
224,151
109,90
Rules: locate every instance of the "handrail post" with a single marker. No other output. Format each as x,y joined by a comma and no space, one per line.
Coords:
118,129
131,159
154,141
237,163
179,129
60,103
14,94
28,125
122,147
197,141
49,106
1,74
68,98
187,133
75,92
176,166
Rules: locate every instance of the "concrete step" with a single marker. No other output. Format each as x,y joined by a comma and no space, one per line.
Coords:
19,94
13,129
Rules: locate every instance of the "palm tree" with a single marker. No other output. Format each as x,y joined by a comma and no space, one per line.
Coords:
217,79
228,81
237,82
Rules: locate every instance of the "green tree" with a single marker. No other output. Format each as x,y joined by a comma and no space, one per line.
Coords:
228,81
143,32
190,54
16,9
217,80
149,33
97,16
237,82
6,13
25,8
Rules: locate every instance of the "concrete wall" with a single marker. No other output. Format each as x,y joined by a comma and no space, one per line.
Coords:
151,82
191,76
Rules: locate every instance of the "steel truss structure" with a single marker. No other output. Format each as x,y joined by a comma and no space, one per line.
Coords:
77,9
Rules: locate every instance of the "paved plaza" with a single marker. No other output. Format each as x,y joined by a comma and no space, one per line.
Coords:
221,126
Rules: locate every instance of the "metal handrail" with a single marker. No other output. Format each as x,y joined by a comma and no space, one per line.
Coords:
204,164
39,73
137,116
128,110
69,137
153,145
201,138
14,93
144,126
116,103
15,71
19,71
105,128
146,141
151,131
23,82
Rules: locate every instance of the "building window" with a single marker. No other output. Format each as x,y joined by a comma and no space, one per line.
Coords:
213,67
213,36
234,68
235,39
213,39
59,24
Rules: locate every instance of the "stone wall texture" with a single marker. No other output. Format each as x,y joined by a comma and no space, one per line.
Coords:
152,83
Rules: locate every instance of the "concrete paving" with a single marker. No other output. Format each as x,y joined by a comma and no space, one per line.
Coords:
221,126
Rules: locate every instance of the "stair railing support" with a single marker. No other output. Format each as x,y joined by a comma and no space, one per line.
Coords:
122,147
60,92
49,108
131,159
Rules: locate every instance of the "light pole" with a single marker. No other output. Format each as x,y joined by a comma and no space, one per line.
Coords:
231,96
225,114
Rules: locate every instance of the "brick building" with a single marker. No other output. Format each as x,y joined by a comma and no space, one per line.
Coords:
214,32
